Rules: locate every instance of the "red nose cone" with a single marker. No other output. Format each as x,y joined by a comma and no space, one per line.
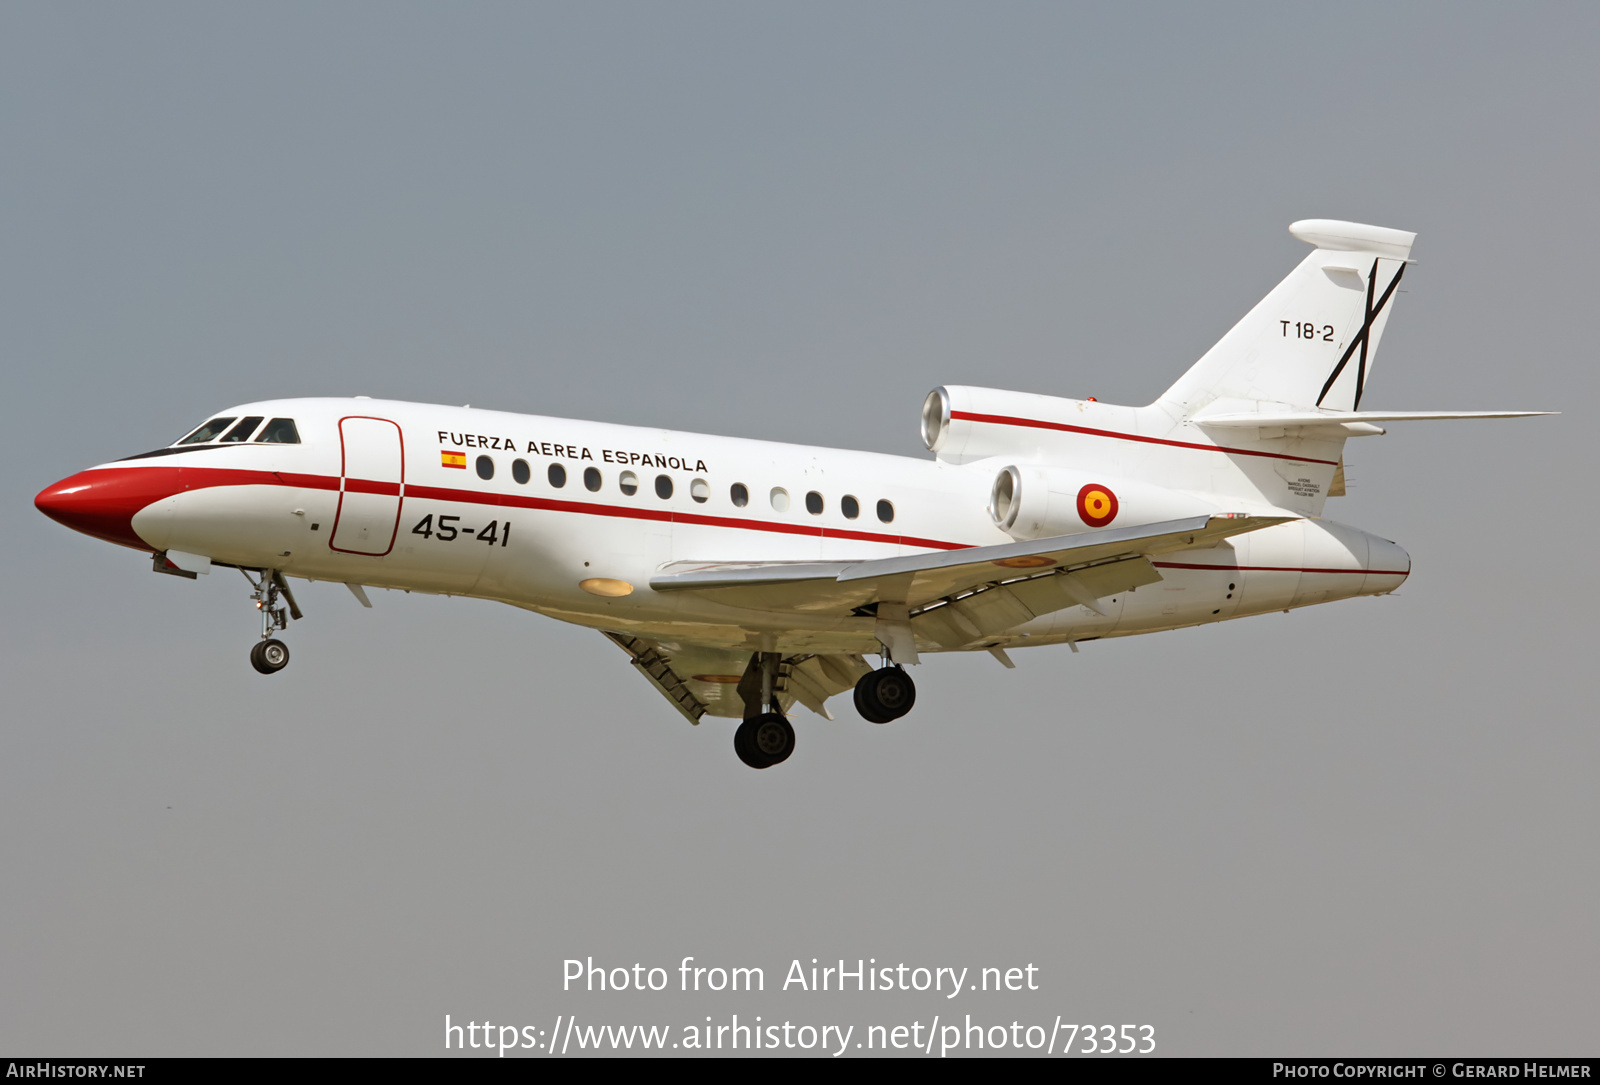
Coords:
102,503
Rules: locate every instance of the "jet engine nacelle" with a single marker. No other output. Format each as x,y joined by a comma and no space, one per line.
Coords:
1033,501
962,424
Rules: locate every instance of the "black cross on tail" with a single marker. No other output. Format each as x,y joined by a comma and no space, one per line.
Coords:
1361,337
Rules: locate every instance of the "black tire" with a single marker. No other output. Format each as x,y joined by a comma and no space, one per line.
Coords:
744,745
269,656
894,692
884,695
772,738
866,699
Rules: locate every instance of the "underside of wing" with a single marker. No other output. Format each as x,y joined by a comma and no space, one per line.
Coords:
920,581
924,578
703,680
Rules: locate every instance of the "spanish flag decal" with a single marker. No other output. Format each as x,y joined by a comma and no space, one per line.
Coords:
1097,505
459,459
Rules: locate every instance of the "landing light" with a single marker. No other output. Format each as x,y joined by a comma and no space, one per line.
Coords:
606,587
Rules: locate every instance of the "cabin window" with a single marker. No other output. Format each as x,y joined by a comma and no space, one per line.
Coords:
207,432
557,475
739,495
243,430
700,490
628,483
663,486
780,499
521,472
592,479
280,431
850,507
814,503
886,512
485,468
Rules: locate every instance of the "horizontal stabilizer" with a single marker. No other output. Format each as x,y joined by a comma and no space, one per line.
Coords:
1338,419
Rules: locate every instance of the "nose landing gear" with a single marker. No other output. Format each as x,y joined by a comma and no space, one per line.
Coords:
885,694
270,655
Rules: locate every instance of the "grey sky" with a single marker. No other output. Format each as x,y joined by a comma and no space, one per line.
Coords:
1364,827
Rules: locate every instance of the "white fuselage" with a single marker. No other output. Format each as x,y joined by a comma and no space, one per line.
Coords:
367,497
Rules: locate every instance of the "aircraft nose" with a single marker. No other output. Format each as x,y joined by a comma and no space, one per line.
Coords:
102,502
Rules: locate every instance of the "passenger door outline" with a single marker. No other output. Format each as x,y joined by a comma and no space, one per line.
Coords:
377,485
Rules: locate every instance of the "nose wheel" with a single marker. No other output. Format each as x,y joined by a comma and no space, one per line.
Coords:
271,655
885,694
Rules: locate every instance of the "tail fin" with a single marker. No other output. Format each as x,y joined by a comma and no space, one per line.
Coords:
1261,418
1310,343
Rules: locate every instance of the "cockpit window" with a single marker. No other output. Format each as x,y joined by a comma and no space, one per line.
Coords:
280,431
243,430
207,432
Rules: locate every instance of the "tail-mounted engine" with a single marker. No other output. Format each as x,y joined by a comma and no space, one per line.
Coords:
961,423
1031,501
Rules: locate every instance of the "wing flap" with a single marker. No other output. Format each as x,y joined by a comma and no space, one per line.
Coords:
814,679
988,611
648,658
701,680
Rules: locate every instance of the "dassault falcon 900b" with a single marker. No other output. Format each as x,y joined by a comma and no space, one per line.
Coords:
742,576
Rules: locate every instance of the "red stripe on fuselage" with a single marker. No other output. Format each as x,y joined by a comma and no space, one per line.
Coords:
1034,423
156,483
367,486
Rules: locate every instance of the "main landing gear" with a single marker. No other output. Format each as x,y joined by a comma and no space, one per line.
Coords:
765,738
270,655
885,694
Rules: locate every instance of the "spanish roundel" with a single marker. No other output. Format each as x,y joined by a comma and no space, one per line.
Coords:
1097,505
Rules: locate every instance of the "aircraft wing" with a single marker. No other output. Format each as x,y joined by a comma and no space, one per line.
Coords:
918,580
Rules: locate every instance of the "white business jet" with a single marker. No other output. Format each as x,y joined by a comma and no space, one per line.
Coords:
742,576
